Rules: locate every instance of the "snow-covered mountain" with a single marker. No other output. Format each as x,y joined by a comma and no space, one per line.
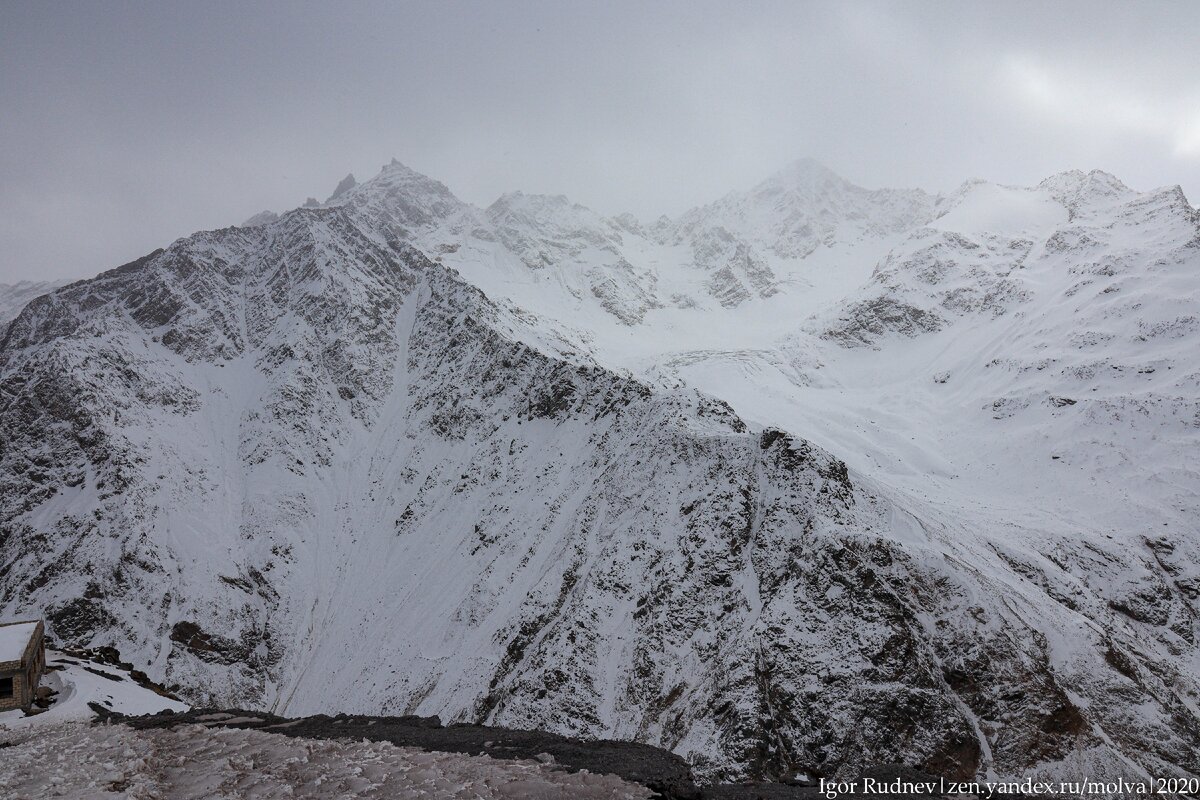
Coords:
811,477
804,207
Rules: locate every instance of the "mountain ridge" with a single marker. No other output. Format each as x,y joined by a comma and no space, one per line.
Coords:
583,451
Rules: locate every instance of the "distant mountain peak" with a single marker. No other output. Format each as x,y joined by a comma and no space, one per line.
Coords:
261,218
397,167
806,172
397,172
1076,187
346,184
15,296
398,194
532,202
804,206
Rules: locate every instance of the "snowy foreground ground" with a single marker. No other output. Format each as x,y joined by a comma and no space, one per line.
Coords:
61,753
77,682
70,750
78,760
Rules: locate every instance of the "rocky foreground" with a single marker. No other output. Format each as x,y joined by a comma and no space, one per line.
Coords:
611,768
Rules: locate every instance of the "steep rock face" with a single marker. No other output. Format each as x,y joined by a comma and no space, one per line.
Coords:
344,185
934,275
737,273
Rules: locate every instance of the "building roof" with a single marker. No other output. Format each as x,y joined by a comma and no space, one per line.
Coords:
14,638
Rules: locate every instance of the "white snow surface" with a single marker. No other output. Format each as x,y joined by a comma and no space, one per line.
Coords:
76,683
14,638
561,503
196,762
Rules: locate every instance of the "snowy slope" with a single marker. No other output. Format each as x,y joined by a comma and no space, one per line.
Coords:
76,682
243,457
537,537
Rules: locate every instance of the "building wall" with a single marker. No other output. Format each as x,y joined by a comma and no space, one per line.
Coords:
25,674
22,693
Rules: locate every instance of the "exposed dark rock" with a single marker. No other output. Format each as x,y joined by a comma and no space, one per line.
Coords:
663,772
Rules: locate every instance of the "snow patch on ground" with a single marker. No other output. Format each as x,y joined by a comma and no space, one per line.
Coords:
76,760
76,683
981,208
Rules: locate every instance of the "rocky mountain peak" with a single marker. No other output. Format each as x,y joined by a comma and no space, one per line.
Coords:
400,201
545,230
346,184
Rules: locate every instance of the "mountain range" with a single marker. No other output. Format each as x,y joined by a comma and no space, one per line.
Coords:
809,477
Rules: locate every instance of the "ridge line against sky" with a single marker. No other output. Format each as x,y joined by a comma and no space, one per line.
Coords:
127,126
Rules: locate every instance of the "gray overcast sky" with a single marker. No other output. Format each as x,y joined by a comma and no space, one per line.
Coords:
124,126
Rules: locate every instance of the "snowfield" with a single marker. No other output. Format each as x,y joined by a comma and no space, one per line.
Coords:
812,477
88,762
78,682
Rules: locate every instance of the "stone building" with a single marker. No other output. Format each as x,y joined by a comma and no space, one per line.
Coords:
22,661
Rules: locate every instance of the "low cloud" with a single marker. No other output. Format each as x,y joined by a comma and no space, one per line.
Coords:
1093,101
126,127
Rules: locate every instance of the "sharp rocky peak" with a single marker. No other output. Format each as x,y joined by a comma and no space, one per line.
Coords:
346,184
397,175
399,200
